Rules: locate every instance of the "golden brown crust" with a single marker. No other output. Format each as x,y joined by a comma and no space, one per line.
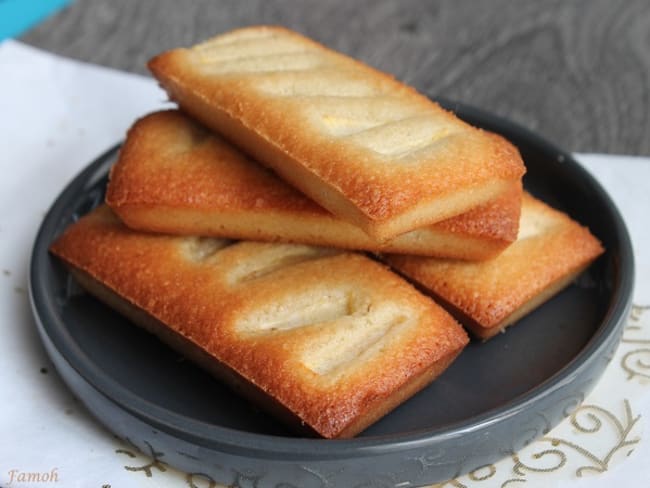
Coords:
369,149
487,296
332,337
174,177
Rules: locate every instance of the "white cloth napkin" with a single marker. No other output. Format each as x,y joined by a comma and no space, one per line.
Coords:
56,115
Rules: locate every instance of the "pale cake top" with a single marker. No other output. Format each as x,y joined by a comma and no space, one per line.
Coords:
368,147
327,334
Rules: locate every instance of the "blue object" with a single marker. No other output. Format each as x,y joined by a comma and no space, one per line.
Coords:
16,16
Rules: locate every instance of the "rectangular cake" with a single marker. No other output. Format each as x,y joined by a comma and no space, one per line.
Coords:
173,176
327,341
366,147
488,296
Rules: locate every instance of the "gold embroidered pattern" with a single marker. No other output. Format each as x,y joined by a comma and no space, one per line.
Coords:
636,363
592,423
588,419
203,480
154,462
570,449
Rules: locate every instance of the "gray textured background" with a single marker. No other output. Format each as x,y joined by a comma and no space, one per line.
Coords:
576,71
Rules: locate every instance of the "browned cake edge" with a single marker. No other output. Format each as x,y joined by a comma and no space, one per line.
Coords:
444,207
70,250
191,350
141,194
240,385
461,237
381,407
482,323
378,218
485,332
320,232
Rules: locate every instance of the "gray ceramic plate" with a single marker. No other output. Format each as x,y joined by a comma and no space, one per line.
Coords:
494,399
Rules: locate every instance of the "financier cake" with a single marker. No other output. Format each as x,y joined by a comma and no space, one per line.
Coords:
328,341
174,176
487,296
366,147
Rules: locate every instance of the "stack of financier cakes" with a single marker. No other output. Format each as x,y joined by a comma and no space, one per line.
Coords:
268,228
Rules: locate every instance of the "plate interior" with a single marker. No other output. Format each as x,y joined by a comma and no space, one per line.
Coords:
485,378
